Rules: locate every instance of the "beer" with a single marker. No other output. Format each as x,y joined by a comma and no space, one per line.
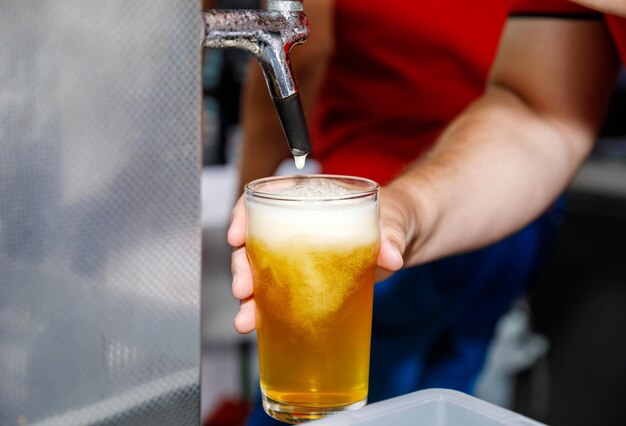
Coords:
313,265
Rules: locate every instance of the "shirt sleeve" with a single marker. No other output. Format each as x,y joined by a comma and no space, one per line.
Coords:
553,8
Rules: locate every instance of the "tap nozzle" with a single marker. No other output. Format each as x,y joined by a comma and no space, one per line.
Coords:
269,35
286,5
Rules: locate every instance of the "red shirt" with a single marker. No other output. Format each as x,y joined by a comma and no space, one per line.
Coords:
401,71
618,30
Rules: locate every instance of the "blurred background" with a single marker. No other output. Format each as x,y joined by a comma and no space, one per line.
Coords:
559,356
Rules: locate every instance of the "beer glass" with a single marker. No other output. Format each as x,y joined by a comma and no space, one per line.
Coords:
313,242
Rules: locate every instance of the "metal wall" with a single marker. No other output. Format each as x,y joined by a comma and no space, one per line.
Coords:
99,212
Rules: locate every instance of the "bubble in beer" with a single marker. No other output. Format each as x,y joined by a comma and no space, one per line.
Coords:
313,188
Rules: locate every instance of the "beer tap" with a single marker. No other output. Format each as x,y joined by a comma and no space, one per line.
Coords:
269,35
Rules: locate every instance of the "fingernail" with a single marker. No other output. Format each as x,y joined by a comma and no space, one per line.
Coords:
399,259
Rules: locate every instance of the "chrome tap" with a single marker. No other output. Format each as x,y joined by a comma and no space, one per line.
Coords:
269,35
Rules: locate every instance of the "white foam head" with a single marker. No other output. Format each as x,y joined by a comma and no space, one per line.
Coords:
307,217
316,188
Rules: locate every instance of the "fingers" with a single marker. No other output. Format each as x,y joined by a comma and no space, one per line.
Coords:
239,221
242,289
245,320
242,274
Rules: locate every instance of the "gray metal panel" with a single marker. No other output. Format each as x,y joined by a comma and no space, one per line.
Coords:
99,212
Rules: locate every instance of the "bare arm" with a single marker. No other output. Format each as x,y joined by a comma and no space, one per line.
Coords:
508,156
615,7
264,145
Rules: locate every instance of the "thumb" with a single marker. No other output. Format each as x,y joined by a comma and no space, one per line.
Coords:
393,233
389,260
390,255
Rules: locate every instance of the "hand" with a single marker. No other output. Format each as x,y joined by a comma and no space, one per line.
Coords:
395,232
241,271
395,227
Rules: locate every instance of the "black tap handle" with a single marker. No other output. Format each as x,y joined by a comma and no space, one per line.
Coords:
292,119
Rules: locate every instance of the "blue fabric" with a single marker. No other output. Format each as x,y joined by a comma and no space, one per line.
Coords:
433,323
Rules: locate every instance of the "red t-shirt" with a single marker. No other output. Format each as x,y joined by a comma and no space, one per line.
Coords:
401,71
618,30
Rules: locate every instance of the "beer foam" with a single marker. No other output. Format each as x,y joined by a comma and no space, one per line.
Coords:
312,217
316,188
313,222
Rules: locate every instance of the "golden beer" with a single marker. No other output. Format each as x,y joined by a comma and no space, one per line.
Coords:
313,270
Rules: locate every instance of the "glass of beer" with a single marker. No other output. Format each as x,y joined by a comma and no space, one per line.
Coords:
313,242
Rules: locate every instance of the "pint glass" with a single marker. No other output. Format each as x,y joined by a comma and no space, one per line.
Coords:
312,242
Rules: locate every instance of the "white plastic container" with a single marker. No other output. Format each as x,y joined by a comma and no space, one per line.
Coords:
431,407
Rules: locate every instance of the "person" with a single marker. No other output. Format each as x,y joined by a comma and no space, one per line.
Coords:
493,148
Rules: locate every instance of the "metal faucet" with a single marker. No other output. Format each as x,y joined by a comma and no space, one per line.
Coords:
269,35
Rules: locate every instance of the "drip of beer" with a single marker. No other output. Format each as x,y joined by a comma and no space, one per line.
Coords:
300,160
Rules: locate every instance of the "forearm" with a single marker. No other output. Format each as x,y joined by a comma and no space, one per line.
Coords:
495,169
508,156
